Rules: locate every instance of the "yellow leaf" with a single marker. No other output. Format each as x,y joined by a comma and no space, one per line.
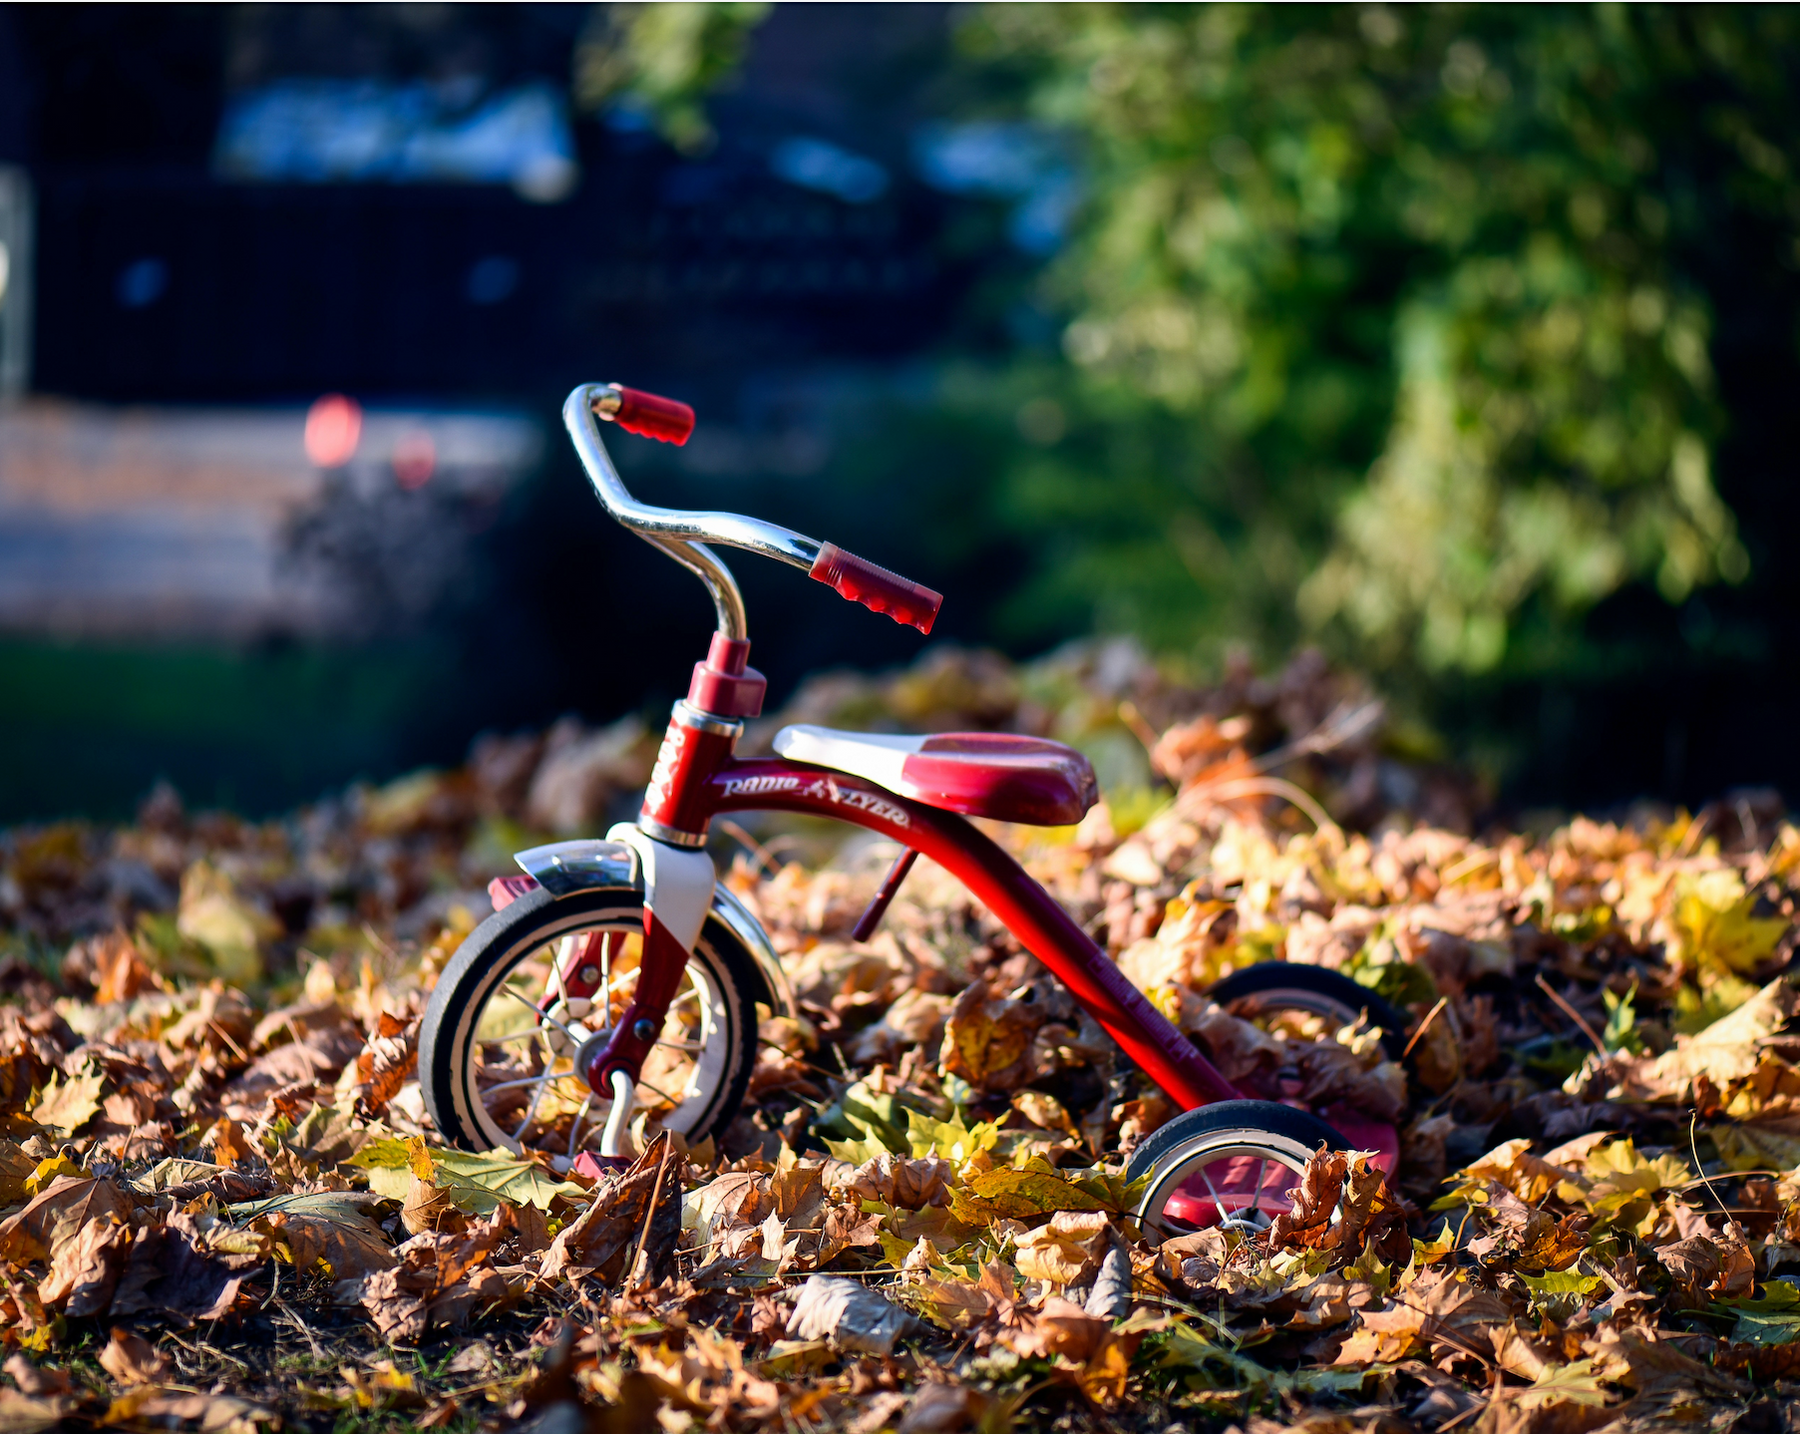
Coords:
66,1106
1007,1194
952,1139
48,1170
1574,1383
229,927
1623,1184
1727,1049
1713,927
1759,1144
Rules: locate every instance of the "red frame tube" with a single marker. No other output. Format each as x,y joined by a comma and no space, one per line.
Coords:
999,883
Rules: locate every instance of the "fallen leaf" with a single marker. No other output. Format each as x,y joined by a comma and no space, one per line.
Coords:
387,1061
132,1359
849,1314
987,1039
1019,1194
67,1105
1066,1251
909,1184
84,1267
69,1203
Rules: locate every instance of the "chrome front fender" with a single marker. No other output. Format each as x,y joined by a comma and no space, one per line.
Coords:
566,867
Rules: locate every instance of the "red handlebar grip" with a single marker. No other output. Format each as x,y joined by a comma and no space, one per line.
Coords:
651,416
876,588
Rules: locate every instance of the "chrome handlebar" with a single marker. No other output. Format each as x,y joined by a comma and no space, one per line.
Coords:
681,534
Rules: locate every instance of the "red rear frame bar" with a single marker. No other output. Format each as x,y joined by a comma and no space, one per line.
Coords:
1000,884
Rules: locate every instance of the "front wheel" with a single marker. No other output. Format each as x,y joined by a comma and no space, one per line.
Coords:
1232,1165
498,1043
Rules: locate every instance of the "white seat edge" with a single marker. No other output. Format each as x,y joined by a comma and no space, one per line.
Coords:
878,757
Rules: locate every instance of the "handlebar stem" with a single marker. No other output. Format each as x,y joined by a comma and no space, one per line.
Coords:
682,535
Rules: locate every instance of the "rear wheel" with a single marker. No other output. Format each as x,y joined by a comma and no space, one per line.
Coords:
498,1043
1233,1165
1309,1002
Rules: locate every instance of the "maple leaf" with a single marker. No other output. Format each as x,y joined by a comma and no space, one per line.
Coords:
987,1039
1573,1383
1619,1184
389,1058
477,1182
909,1184
1726,1049
84,1267
849,1314
1560,1292
1067,1250
230,928
1759,1144
319,1229
1009,1194
1770,1320
1712,925
67,1105
68,1203
1706,1264
952,1140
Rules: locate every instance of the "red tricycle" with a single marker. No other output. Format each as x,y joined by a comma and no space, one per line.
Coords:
618,974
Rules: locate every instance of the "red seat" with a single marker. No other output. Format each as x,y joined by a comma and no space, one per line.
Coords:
1000,775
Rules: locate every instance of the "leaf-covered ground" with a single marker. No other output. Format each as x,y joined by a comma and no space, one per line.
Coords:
224,1206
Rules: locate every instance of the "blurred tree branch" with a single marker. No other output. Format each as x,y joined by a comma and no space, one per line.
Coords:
662,60
1375,321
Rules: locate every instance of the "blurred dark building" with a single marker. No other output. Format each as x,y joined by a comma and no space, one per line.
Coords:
251,206
161,278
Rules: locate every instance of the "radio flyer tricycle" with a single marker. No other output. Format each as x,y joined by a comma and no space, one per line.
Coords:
619,973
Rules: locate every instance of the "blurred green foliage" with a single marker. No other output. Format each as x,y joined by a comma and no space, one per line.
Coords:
662,60
1375,323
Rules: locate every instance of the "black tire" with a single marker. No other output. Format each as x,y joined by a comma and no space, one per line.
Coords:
1258,1129
1290,986
721,971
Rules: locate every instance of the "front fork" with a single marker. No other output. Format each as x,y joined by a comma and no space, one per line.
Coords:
669,839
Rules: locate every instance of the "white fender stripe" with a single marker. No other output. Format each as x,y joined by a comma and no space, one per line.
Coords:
678,883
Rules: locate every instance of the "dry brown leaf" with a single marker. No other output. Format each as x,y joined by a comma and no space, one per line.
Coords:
609,1230
387,1061
69,1104
909,1184
1708,1266
849,1314
84,1268
172,1270
132,1359
35,1380
68,1203
1068,1250
351,1245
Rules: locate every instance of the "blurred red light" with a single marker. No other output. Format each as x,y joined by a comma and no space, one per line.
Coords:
415,459
333,428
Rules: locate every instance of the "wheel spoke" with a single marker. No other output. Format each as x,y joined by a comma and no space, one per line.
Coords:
543,1079
565,949
575,1129
542,1015
606,943
530,1112
1213,1190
